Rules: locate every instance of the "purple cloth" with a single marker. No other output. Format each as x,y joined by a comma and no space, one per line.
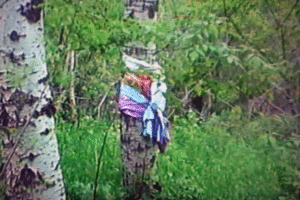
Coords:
132,108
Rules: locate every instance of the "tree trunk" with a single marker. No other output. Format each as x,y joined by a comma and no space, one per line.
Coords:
30,157
138,153
72,88
138,157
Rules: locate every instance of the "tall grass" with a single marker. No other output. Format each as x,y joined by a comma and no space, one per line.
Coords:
228,157
206,161
79,149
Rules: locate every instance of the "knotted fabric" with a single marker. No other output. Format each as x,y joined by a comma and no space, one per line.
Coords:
136,105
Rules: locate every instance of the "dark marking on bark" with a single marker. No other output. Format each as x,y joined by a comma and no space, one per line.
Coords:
20,98
1,167
1,6
27,176
140,149
14,36
12,57
22,56
45,132
4,117
151,13
35,114
56,167
32,124
30,157
43,80
36,2
49,110
31,12
40,177
131,15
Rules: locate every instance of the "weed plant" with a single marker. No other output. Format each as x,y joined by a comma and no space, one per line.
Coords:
227,157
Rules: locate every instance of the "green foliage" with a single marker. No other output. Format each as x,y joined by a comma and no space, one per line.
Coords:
209,162
79,148
228,50
206,160
225,51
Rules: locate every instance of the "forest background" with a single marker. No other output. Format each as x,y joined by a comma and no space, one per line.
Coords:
232,71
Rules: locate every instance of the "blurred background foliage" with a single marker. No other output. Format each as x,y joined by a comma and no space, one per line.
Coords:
232,70
214,52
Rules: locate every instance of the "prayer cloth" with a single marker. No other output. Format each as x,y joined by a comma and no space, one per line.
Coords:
142,98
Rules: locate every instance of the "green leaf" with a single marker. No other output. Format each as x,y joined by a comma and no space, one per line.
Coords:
193,56
230,59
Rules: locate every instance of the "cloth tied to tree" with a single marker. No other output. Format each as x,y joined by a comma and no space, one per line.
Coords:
142,97
141,83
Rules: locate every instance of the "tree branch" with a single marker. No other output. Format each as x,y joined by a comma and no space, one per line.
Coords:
289,14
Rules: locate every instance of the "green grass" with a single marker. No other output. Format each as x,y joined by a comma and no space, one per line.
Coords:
79,149
210,163
208,160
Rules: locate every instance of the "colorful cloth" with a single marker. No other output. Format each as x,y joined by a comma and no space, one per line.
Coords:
142,97
141,83
149,112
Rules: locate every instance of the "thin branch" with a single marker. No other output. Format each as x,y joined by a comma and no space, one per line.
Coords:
224,6
72,86
99,160
228,104
273,14
279,26
238,7
173,110
21,134
282,43
289,14
278,108
100,104
247,40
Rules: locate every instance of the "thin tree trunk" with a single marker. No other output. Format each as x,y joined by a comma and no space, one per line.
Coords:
72,87
30,155
138,153
138,157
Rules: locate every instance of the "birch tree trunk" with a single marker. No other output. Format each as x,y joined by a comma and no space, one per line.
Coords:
72,87
30,157
138,153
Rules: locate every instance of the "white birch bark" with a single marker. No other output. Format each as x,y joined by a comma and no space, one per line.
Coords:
138,153
33,172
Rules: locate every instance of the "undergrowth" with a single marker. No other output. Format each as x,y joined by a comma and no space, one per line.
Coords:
227,157
79,149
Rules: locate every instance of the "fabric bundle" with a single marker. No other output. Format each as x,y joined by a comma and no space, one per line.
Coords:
142,97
